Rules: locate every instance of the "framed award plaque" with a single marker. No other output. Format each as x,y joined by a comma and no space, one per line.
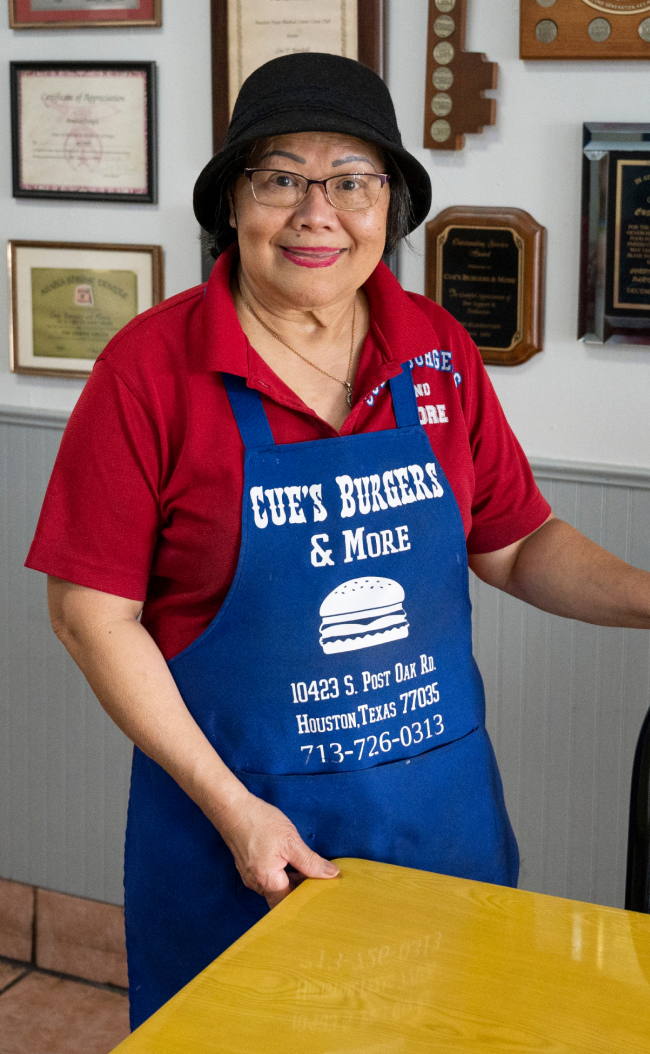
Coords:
584,29
615,248
486,267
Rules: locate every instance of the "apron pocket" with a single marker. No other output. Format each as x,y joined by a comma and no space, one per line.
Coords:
441,811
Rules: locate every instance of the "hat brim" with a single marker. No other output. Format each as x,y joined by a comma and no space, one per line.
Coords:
207,190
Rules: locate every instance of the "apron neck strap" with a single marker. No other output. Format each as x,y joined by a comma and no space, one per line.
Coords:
250,415
404,402
253,424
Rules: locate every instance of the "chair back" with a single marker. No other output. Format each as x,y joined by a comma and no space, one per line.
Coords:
637,885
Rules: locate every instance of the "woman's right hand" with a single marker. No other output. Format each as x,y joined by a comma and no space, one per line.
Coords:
264,842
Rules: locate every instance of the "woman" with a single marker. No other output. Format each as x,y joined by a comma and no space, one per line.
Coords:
279,472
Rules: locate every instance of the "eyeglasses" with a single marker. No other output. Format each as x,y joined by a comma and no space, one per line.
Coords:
350,191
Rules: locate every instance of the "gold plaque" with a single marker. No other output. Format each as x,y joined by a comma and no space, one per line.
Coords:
578,29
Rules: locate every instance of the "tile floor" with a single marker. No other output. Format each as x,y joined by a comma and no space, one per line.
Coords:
46,1013
62,973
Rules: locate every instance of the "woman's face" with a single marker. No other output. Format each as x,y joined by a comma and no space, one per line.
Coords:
311,255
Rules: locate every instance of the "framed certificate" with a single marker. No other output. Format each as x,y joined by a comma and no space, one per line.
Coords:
73,14
67,299
248,33
84,130
615,251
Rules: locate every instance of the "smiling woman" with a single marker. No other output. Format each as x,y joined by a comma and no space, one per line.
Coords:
308,240
236,454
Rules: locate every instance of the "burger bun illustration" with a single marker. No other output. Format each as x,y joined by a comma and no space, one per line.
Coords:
362,613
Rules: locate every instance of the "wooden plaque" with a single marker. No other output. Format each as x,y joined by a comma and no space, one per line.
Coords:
486,267
584,29
456,80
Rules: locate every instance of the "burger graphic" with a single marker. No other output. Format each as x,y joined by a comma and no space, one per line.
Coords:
362,613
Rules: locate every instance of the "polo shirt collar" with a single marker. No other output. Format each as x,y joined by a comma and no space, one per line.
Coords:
404,329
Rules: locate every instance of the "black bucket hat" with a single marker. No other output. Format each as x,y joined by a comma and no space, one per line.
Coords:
312,92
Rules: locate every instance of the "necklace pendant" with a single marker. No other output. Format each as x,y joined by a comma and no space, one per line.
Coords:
348,388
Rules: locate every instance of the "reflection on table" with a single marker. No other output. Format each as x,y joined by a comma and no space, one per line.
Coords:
388,959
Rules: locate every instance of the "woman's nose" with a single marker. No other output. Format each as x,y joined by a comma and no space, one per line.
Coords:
315,207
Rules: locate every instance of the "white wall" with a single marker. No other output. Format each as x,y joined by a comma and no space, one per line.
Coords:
181,49
572,402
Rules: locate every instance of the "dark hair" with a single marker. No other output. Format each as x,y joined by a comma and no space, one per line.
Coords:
398,220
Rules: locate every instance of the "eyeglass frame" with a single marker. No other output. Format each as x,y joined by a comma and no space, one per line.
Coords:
250,172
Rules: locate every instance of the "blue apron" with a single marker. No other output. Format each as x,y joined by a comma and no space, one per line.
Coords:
337,681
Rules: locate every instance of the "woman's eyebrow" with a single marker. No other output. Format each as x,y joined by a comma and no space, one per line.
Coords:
283,153
352,157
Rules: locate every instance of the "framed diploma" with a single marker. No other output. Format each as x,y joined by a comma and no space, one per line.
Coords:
584,29
615,249
68,299
486,267
73,14
84,130
248,33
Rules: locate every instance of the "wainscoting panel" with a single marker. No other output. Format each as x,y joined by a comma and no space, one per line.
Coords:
64,766
565,703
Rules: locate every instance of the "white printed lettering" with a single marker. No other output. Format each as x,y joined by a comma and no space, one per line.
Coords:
387,539
390,490
403,538
401,475
422,492
442,413
427,664
296,513
348,504
373,544
363,497
432,414
278,514
354,544
430,470
316,495
320,557
257,496
378,502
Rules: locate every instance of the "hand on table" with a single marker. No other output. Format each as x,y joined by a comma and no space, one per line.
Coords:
263,842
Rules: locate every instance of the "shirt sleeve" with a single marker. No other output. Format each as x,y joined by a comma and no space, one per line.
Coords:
101,515
506,504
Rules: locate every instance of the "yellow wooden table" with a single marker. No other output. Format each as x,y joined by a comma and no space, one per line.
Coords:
387,959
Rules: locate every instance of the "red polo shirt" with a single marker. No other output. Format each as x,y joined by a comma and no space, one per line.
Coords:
146,494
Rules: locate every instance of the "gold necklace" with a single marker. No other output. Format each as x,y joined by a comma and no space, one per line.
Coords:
347,383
